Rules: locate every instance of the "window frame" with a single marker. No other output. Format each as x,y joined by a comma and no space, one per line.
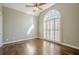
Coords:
49,18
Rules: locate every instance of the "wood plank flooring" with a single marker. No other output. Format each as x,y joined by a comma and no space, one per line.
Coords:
37,47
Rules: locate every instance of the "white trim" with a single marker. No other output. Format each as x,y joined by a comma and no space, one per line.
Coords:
65,44
16,41
69,45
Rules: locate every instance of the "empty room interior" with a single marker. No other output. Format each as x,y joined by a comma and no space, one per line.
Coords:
39,29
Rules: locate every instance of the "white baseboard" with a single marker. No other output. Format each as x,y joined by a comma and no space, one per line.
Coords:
72,46
65,44
16,41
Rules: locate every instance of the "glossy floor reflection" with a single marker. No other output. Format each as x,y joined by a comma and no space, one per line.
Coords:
36,47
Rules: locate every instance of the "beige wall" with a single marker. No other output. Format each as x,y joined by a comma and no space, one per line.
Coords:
69,22
1,23
16,25
78,22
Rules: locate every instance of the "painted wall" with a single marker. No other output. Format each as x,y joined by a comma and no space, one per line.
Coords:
1,31
69,22
78,23
17,25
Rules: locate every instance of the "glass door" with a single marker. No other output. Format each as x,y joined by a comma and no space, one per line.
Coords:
52,26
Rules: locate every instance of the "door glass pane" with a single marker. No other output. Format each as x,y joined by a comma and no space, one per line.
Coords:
52,24
48,35
52,35
57,25
57,36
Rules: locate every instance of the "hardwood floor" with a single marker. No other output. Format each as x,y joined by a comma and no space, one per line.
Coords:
37,47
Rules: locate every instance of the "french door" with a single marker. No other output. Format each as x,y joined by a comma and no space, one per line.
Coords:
52,27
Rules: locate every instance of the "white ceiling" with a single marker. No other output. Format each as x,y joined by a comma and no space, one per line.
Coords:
21,7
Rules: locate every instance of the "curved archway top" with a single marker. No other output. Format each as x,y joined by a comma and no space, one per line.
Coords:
53,14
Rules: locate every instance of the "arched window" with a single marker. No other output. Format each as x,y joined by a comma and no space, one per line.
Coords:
52,25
